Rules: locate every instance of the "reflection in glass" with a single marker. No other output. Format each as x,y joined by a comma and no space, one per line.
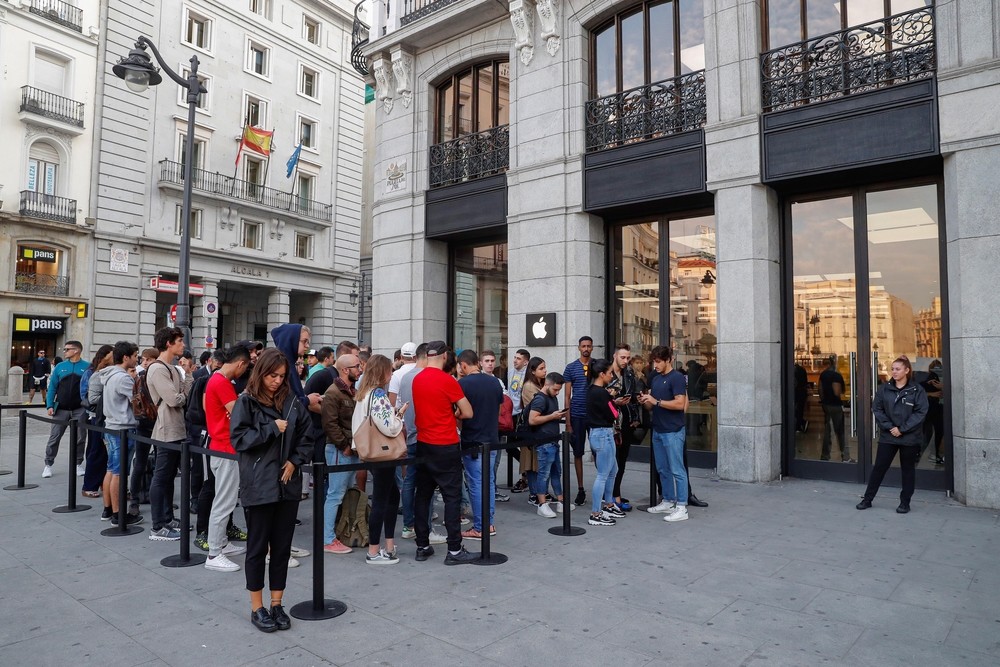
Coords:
822,16
637,287
446,113
485,98
605,77
465,104
784,22
633,52
661,42
692,22
503,93
480,297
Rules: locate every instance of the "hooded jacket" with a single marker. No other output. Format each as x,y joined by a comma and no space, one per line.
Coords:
117,398
904,409
262,449
286,338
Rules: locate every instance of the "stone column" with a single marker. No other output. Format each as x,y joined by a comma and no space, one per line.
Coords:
748,224
968,67
321,321
277,308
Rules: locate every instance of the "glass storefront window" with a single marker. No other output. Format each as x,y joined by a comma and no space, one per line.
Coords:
479,297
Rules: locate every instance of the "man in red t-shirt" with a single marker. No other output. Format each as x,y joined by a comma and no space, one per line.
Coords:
220,396
437,402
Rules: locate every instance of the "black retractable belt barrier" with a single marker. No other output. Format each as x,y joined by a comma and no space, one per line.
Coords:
566,529
653,500
122,529
22,446
510,468
320,607
486,557
71,505
184,559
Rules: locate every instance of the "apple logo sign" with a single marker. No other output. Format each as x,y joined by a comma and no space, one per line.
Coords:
541,328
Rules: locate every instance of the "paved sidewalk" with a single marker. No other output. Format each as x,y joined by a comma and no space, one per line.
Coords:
787,573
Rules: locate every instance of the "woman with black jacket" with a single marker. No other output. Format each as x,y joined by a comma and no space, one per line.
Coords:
900,408
272,435
601,416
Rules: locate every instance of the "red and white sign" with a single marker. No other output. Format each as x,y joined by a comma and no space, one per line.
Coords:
160,285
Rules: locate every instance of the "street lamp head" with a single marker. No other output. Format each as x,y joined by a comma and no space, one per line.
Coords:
137,69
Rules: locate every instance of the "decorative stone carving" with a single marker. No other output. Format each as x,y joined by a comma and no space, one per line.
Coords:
548,20
402,70
277,228
382,71
227,215
524,28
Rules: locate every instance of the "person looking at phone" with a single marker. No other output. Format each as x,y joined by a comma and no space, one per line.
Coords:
668,400
630,421
544,415
272,435
485,395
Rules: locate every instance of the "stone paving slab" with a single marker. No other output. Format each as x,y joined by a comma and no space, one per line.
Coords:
786,573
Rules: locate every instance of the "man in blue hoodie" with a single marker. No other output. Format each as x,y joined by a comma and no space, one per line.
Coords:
64,403
293,340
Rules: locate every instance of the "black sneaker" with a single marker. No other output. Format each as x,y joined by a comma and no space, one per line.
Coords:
262,620
533,499
519,487
107,514
129,519
280,618
581,497
201,541
461,557
423,553
600,520
613,511
236,534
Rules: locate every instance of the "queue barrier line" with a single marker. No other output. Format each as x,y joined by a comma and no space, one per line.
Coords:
20,486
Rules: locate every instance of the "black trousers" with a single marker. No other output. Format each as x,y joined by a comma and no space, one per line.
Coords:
621,454
908,456
443,468
197,471
385,502
269,526
138,485
161,489
97,460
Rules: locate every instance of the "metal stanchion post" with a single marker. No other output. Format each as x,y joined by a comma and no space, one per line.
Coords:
653,475
185,559
122,528
510,468
3,472
71,506
22,446
566,529
320,607
486,557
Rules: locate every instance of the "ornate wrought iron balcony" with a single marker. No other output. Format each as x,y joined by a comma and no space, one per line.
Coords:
59,12
359,38
647,112
880,54
40,283
470,157
413,10
227,186
47,207
49,105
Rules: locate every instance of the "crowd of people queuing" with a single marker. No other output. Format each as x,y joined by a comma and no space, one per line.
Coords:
267,411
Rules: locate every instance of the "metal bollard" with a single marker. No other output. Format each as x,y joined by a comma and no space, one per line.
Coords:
185,559
122,528
320,607
486,557
22,447
566,529
71,506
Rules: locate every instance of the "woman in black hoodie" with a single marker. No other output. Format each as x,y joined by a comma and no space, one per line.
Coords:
272,434
900,408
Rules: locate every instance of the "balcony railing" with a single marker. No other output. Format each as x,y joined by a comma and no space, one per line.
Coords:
359,38
880,54
47,207
656,110
39,283
227,186
414,10
50,105
470,157
59,12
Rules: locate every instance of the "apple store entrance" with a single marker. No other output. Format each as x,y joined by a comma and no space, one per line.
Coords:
478,300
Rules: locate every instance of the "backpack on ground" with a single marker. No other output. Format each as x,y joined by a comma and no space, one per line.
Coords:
68,392
352,518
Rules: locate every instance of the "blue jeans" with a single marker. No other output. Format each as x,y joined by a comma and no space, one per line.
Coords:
407,486
602,443
474,479
337,486
668,448
113,443
548,468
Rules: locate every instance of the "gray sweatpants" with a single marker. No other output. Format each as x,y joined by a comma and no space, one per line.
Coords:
227,488
56,434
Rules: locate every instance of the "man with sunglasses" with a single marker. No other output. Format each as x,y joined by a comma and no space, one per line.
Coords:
64,402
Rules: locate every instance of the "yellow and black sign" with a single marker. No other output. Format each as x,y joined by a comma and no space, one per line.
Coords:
38,254
81,310
26,324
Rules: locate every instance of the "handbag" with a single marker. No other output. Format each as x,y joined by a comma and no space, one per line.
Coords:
372,445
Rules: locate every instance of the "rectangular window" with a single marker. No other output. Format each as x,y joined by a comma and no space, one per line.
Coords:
50,74
256,112
42,176
202,103
258,59
310,29
306,187
251,235
260,7
307,133
253,170
195,226
303,246
198,30
199,151
309,82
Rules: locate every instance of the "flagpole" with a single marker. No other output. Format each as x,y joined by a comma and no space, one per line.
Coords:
295,173
239,152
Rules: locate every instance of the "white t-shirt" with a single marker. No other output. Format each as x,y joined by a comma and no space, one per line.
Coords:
397,377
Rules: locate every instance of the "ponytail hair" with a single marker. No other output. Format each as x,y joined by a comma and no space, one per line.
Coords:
598,366
903,359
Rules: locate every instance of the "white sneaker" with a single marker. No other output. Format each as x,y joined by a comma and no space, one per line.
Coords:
221,563
81,470
663,508
408,533
545,511
292,562
233,550
299,552
466,521
437,538
680,513
559,507
47,472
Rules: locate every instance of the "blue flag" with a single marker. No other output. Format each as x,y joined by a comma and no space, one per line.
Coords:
292,161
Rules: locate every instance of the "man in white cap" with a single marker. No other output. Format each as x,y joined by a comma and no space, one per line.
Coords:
409,355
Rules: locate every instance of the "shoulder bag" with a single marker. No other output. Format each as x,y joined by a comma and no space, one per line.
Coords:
372,445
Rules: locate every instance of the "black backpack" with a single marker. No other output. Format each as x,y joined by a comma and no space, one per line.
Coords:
195,410
68,392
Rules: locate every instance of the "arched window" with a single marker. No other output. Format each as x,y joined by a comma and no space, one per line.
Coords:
473,100
646,43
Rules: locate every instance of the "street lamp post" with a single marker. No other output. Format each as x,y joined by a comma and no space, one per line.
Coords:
139,72
358,299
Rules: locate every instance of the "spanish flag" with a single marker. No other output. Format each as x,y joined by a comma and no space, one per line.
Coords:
255,139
